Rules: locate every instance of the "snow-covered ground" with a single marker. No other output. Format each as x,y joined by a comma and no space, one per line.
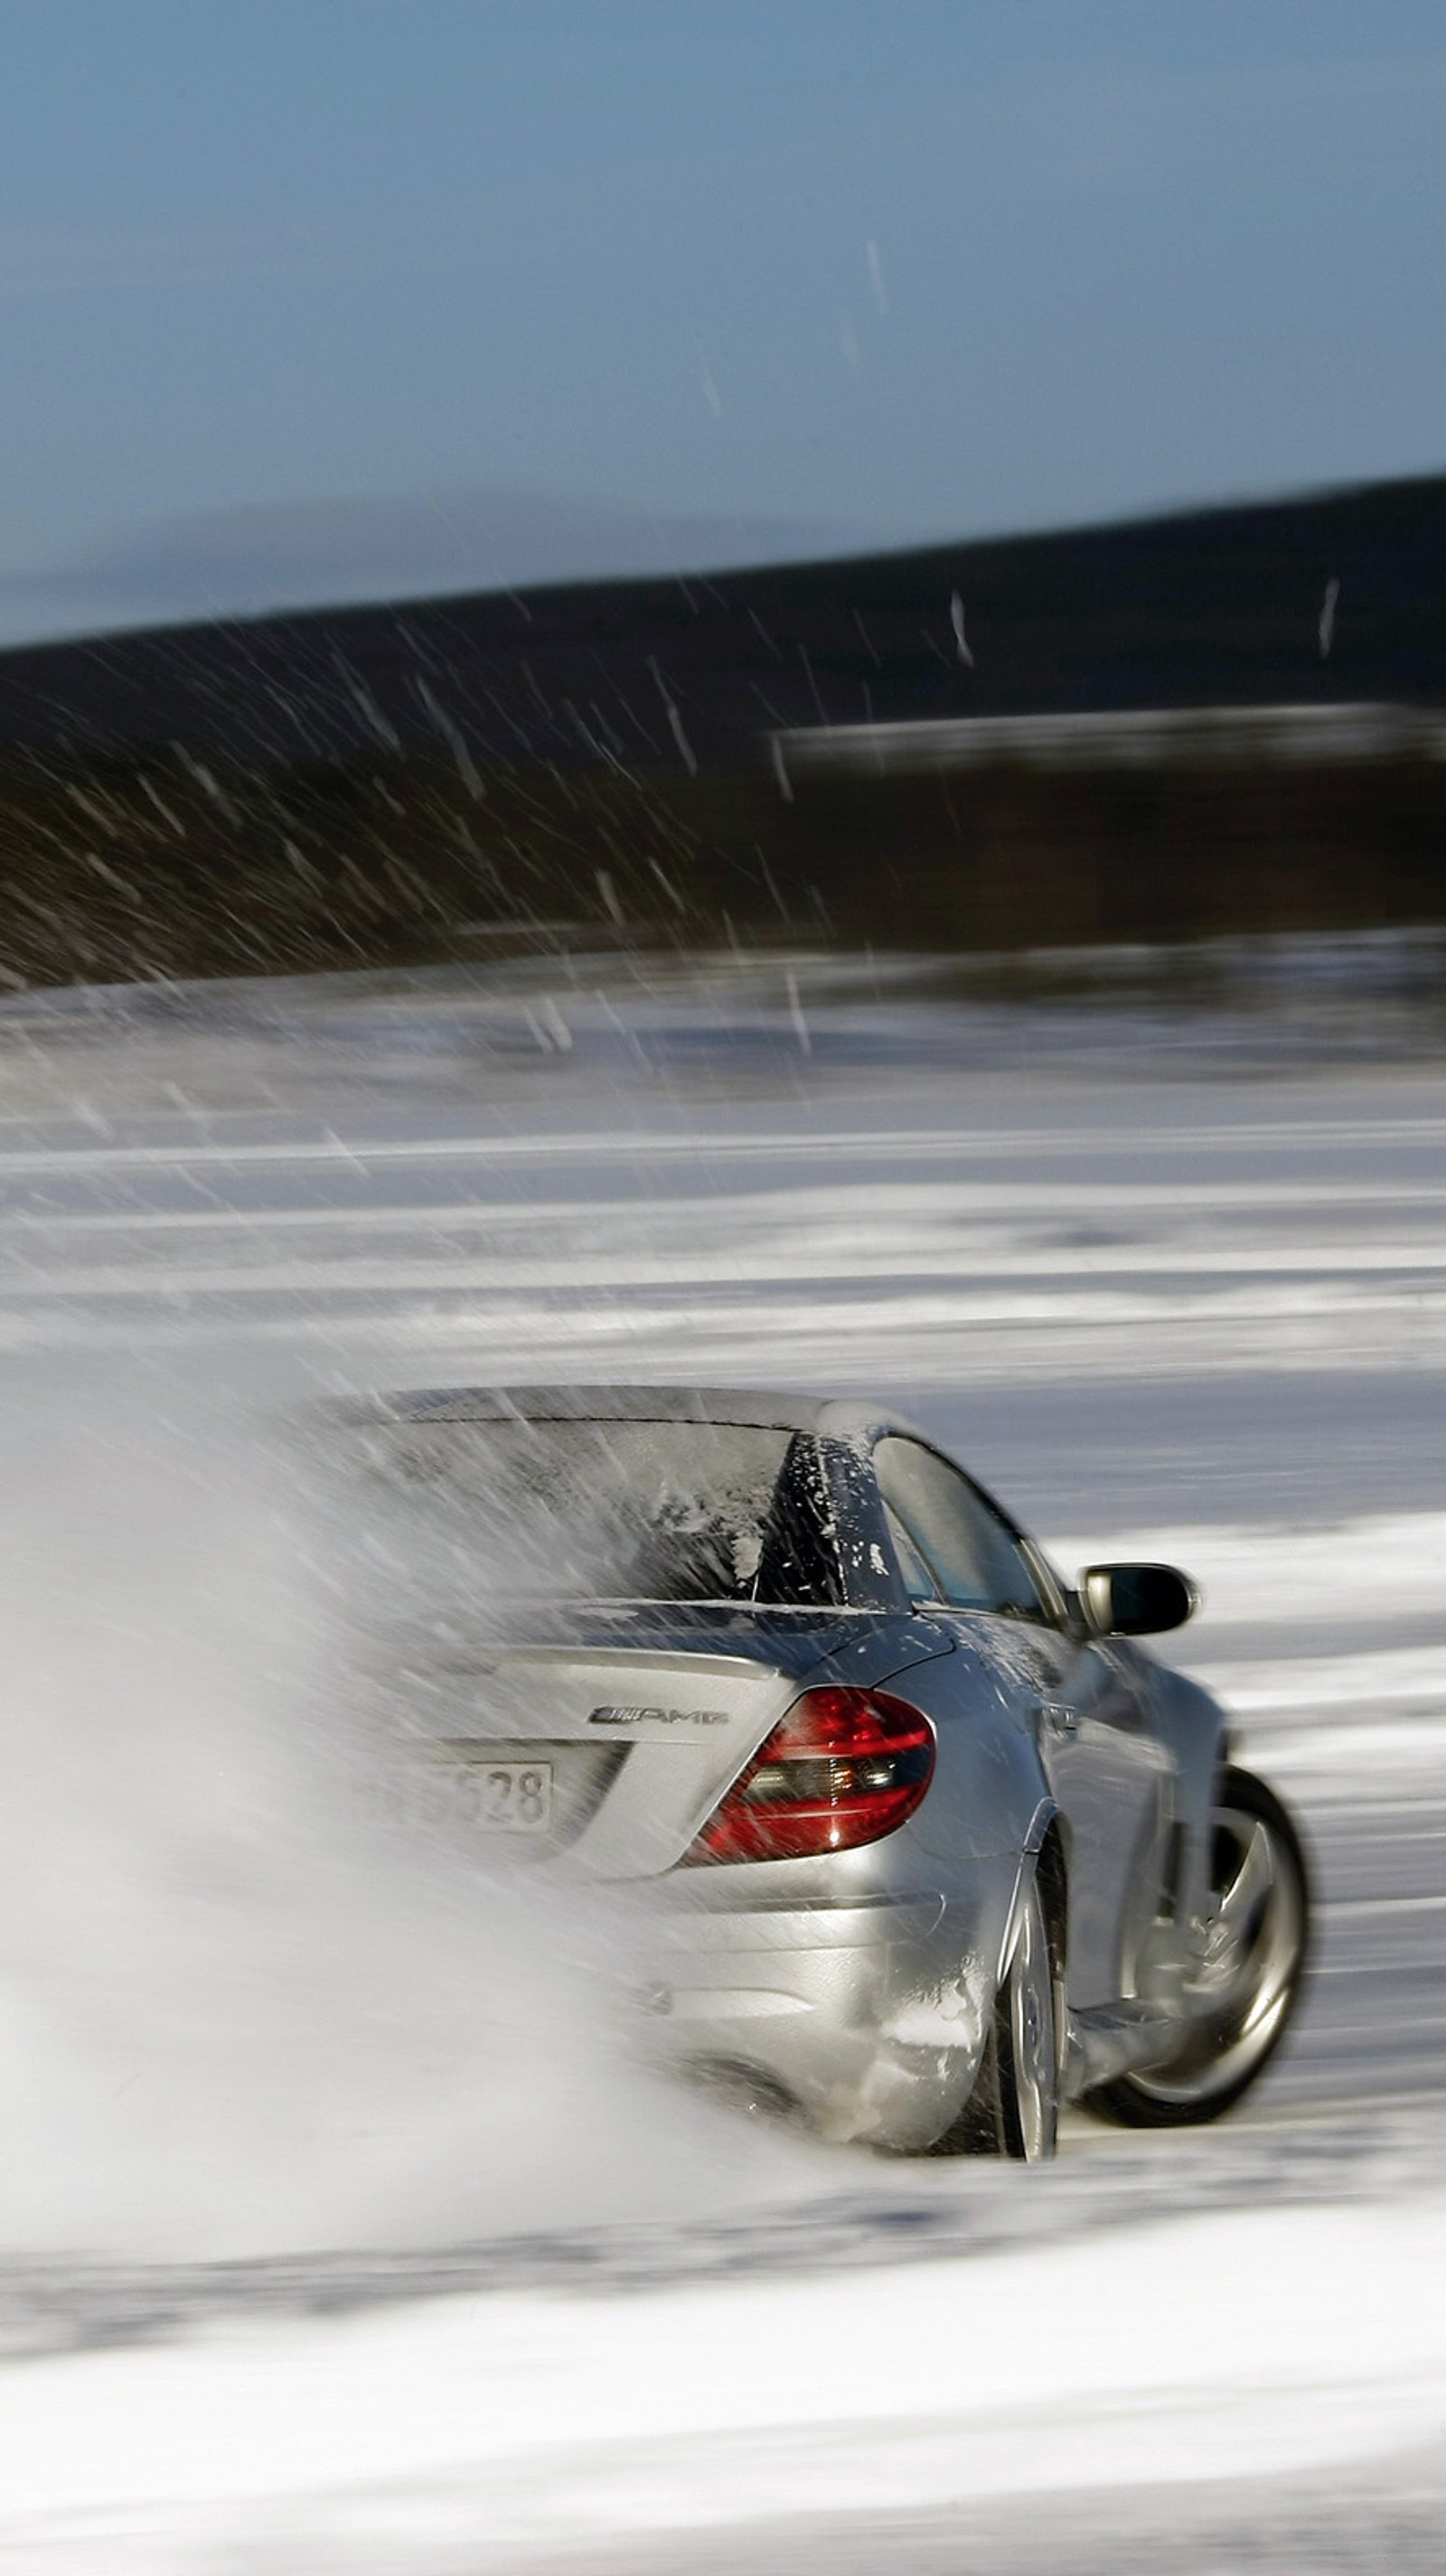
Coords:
299,2283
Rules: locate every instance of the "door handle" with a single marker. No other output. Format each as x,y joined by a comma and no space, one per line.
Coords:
1057,1717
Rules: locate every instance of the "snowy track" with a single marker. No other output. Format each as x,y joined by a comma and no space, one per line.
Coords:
1206,1314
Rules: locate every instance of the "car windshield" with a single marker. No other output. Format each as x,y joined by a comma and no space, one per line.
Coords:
596,1510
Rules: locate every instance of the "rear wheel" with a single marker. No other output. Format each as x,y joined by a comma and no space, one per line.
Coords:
1014,2107
1244,1990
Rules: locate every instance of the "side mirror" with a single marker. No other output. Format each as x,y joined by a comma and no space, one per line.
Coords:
1136,1600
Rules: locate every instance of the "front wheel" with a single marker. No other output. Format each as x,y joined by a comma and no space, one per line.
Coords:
1244,1990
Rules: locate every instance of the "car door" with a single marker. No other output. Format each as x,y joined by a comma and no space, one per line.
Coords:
1087,1699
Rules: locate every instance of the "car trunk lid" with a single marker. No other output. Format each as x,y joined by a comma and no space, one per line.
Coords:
615,1740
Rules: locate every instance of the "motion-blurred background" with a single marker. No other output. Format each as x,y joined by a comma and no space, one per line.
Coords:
946,476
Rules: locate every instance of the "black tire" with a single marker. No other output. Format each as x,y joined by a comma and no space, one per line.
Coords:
1247,1991
1014,2107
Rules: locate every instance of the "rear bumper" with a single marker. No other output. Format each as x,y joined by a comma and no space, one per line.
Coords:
869,2014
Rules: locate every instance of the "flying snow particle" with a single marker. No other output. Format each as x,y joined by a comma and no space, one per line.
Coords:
956,620
1326,629
675,721
876,275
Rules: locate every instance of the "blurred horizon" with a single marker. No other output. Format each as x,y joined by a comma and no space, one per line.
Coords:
268,559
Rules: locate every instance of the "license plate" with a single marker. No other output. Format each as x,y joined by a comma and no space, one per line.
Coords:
502,1797
510,1795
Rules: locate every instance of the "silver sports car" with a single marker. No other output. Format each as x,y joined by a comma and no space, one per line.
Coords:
932,1844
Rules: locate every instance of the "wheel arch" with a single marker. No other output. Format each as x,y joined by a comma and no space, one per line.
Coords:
1047,1848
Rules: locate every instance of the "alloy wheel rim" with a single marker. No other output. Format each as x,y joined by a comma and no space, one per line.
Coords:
1245,1982
1032,2031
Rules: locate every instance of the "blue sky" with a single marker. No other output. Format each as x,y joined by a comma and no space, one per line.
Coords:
310,299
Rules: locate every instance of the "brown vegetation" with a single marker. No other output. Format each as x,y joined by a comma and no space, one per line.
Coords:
158,864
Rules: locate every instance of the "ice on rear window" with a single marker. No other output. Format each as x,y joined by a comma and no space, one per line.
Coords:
584,1510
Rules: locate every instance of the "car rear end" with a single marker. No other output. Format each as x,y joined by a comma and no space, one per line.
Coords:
755,1771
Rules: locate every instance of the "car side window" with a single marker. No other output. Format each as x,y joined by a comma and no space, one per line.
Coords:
972,1560
919,1583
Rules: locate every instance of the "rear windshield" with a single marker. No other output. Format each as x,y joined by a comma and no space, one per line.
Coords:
594,1510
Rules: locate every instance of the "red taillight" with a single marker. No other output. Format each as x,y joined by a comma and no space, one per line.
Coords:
842,1768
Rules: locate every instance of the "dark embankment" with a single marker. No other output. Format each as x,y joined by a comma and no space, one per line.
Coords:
396,783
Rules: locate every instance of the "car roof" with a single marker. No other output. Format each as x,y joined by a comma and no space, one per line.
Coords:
825,1417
